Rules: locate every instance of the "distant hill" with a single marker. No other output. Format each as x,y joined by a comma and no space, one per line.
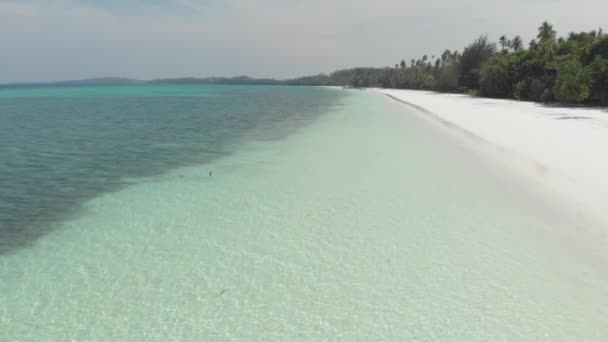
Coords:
75,83
245,80
100,81
338,78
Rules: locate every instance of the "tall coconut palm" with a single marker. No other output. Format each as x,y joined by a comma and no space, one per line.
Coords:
504,42
533,44
546,37
445,56
546,34
516,43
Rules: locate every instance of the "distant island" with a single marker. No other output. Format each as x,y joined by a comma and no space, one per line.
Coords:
338,78
572,69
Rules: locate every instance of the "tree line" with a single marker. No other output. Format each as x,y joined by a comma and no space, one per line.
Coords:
571,69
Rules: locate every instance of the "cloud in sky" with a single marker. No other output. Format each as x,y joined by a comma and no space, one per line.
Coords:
68,39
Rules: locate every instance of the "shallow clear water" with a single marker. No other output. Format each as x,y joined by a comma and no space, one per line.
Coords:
366,224
60,146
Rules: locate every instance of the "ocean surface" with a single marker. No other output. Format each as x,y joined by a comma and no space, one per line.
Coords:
60,146
251,213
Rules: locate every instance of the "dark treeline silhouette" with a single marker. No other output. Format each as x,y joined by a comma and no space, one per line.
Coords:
571,69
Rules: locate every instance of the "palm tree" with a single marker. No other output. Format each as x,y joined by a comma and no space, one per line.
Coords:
504,42
516,43
533,44
546,37
402,64
445,56
546,34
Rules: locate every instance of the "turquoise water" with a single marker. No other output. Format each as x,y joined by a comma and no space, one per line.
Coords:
365,223
63,145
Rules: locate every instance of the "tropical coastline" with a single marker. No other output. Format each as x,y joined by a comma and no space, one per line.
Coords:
194,170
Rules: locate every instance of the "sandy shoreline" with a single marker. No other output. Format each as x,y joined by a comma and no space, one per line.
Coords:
557,147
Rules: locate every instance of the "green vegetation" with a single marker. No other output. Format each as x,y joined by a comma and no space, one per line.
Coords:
572,69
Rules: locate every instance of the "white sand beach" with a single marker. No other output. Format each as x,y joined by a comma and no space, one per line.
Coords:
559,147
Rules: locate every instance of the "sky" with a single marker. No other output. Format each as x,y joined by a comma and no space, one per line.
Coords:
50,40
